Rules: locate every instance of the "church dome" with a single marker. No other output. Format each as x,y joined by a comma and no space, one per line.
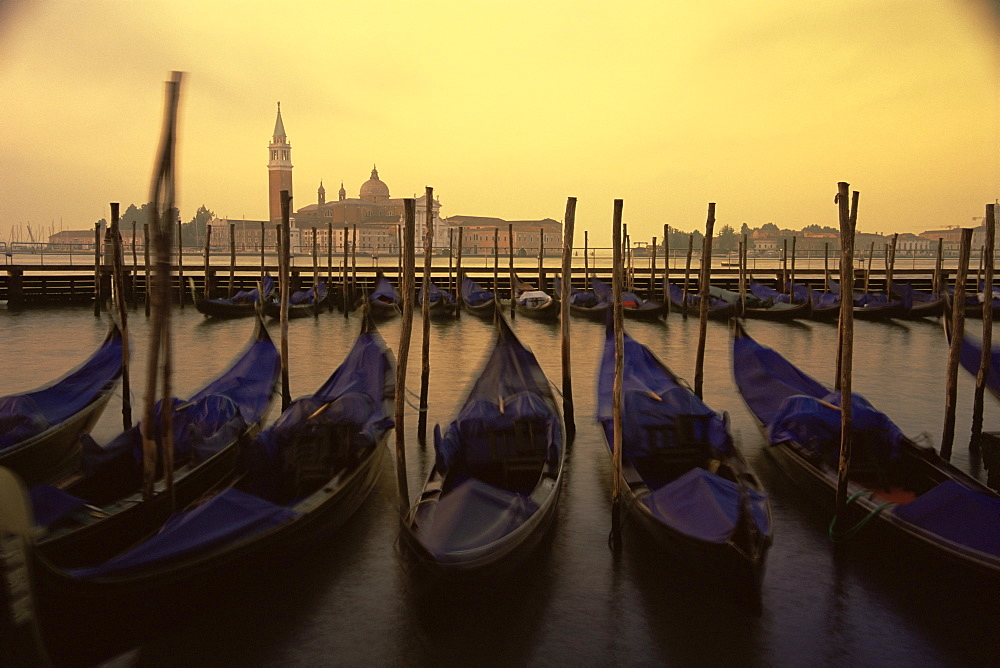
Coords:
374,190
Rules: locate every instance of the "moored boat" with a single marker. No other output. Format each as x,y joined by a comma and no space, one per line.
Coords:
301,303
384,300
633,306
718,309
241,305
476,300
683,477
40,429
897,489
307,474
493,490
534,303
441,302
99,510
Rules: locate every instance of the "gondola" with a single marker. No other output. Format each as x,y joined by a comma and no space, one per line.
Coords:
534,303
492,492
683,478
241,305
871,306
301,303
718,309
384,300
40,429
634,306
99,510
477,301
585,304
825,306
442,304
306,475
766,303
897,489
919,304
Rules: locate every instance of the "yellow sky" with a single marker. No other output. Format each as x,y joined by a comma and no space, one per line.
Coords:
508,107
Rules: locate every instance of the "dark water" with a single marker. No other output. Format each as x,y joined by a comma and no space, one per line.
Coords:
351,600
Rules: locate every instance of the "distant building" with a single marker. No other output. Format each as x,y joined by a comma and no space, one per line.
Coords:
75,238
378,217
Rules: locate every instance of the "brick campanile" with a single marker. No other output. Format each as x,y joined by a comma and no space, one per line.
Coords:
279,168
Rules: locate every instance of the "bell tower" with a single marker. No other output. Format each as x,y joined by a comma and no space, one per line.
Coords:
279,168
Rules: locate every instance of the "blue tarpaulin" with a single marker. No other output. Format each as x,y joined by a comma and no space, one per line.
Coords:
473,294
23,416
959,514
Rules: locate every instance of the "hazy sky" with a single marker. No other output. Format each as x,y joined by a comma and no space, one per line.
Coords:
508,107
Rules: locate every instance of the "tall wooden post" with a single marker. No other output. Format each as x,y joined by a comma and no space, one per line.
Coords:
847,227
346,288
180,264
459,297
706,270
616,395
232,258
354,259
955,351
852,218
329,259
742,277
826,267
784,267
687,274
119,293
984,363
496,265
586,260
652,270
133,270
161,225
410,216
791,278
541,258
97,270
510,261
425,312
868,271
207,292
938,282
263,268
451,254
315,285
892,267
286,395
145,256
564,284
666,267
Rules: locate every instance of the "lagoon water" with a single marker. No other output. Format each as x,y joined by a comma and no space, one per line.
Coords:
351,600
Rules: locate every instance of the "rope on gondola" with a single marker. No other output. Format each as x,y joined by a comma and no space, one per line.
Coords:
419,409
837,537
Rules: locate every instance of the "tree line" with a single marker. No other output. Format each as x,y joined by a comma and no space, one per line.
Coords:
192,232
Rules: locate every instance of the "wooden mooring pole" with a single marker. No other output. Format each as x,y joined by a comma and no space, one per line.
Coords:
345,289
564,289
285,235
118,282
984,363
459,297
425,313
705,270
207,292
852,218
97,270
180,264
510,260
315,285
955,351
145,257
232,258
846,353
666,267
687,274
616,394
402,353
